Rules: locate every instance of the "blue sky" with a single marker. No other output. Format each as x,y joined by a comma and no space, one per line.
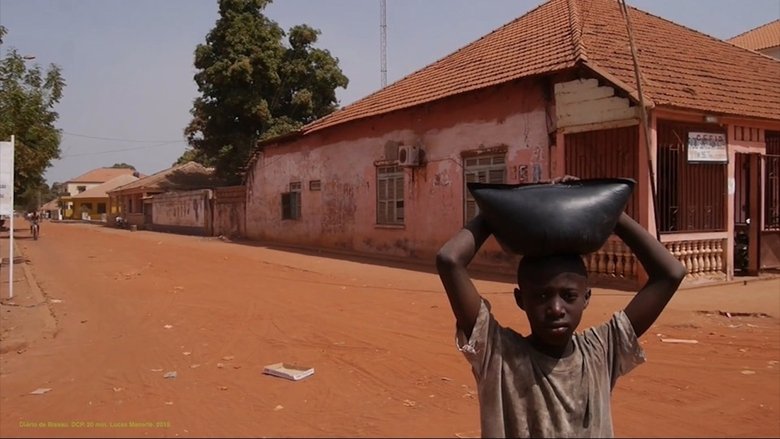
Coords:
128,63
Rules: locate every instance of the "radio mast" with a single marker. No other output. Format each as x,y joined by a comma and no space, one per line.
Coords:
383,40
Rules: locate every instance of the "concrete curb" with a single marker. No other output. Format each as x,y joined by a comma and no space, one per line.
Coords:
38,295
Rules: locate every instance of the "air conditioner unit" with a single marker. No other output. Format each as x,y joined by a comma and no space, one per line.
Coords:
408,155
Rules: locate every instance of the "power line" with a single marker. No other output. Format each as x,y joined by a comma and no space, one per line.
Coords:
118,150
114,139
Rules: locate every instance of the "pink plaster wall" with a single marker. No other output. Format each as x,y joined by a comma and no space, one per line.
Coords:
343,214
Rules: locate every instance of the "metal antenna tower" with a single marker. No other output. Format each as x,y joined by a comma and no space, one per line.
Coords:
383,40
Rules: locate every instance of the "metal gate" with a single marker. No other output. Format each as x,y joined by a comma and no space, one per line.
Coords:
605,153
691,196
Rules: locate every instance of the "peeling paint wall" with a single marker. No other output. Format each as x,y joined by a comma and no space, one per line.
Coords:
343,213
184,212
229,209
584,102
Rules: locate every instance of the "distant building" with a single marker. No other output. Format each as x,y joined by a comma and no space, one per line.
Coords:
763,39
94,204
93,178
134,200
87,181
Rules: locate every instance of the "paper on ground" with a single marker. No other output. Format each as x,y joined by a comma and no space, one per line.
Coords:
288,371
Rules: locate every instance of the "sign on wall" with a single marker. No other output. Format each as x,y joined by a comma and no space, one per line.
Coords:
6,178
707,148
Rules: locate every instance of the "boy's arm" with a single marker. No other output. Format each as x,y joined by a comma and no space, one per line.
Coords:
451,262
665,273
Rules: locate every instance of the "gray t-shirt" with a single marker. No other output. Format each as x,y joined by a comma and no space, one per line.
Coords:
525,393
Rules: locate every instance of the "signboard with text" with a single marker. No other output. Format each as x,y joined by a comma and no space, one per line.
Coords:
707,148
6,178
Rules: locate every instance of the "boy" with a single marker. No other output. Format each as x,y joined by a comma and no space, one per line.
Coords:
553,382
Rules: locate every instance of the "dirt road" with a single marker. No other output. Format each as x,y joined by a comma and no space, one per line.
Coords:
131,306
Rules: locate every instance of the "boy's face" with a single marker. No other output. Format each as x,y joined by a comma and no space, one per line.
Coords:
553,300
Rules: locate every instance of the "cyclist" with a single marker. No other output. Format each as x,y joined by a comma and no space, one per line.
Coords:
35,226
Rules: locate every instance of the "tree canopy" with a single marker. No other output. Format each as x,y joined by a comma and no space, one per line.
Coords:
255,85
123,165
28,95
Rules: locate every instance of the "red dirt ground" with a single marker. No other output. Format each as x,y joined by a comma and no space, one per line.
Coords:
379,335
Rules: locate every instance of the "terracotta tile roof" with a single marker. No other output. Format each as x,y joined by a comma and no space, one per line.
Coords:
187,176
100,191
682,68
538,42
51,205
762,37
101,175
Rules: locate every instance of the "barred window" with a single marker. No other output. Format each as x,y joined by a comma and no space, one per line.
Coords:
484,169
772,181
389,195
291,202
691,196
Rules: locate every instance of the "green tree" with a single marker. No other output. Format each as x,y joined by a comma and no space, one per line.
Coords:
254,85
123,165
194,155
27,99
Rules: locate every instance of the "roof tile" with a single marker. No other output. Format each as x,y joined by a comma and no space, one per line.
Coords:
762,37
681,67
100,191
187,176
101,175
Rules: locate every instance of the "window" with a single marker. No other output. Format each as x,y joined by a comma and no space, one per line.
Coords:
484,169
81,188
315,185
691,196
291,202
101,208
389,195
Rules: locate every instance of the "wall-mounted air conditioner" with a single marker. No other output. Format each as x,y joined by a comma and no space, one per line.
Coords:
408,155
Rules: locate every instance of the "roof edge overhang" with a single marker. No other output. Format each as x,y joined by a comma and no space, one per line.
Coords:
441,98
607,76
726,118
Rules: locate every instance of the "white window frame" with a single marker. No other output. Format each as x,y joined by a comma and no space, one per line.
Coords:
390,201
293,198
481,169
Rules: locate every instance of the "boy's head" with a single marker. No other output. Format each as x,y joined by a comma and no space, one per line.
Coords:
553,291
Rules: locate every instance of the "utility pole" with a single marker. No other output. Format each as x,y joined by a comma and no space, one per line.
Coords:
383,40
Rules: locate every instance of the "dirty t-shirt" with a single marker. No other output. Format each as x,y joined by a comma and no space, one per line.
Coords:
525,393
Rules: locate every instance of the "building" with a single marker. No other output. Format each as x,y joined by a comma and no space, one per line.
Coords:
94,204
51,210
133,201
87,181
93,178
763,39
550,93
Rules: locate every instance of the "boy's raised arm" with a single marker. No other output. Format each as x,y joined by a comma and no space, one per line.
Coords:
451,262
665,273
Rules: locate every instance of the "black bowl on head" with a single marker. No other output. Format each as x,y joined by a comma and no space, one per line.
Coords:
574,217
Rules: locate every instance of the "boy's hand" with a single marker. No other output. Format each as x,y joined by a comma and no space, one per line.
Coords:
564,179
